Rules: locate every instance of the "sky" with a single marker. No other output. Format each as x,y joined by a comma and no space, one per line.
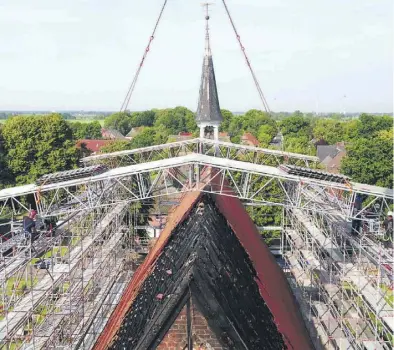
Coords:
308,55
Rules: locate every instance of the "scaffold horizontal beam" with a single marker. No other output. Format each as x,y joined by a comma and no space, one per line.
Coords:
199,142
199,160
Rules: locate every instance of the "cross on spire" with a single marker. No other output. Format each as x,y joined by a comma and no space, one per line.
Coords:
207,44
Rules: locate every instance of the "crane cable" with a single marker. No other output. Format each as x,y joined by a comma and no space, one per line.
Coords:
133,83
261,94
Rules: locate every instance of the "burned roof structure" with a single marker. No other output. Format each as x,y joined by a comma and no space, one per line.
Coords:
210,252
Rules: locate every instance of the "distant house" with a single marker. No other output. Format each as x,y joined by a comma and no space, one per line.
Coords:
249,140
224,136
94,146
331,155
111,134
182,136
277,141
134,132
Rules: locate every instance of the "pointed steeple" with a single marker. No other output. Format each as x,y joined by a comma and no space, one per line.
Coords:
208,109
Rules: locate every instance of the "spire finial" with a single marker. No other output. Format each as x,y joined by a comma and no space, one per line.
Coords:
207,44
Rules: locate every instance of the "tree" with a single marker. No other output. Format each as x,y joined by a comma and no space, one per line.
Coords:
300,145
371,124
351,129
227,117
266,133
329,130
38,145
236,126
295,126
115,146
161,135
370,161
91,131
176,120
254,118
146,118
144,139
121,121
6,177
386,134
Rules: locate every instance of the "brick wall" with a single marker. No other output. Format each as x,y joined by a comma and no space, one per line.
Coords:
203,337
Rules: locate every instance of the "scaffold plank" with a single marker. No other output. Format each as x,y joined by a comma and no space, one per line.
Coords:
21,311
371,295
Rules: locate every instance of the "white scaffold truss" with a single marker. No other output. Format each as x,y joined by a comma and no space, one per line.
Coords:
73,278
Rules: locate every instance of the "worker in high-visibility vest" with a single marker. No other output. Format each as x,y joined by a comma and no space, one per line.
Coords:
388,230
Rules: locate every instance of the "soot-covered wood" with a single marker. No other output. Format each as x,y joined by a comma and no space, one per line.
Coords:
205,260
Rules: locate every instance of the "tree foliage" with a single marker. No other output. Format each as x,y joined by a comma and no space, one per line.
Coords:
38,145
176,120
121,121
300,145
266,133
295,126
370,161
115,146
370,125
227,117
331,131
145,118
91,131
6,177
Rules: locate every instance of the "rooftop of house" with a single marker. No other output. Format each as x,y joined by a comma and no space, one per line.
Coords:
324,151
93,145
111,134
249,138
135,131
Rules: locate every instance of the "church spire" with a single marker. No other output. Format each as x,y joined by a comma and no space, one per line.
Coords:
208,109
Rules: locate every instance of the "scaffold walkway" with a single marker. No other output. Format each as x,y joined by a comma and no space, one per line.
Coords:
14,319
349,273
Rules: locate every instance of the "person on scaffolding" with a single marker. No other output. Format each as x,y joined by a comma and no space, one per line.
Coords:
29,224
388,230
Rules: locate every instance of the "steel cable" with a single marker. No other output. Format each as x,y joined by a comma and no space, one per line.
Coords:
260,92
134,82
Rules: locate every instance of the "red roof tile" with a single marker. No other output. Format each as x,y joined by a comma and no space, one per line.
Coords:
250,138
93,145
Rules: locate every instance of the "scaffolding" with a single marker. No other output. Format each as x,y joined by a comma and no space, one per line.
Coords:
342,278
58,289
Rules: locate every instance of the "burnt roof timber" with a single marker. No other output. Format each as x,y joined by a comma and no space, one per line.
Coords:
217,260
